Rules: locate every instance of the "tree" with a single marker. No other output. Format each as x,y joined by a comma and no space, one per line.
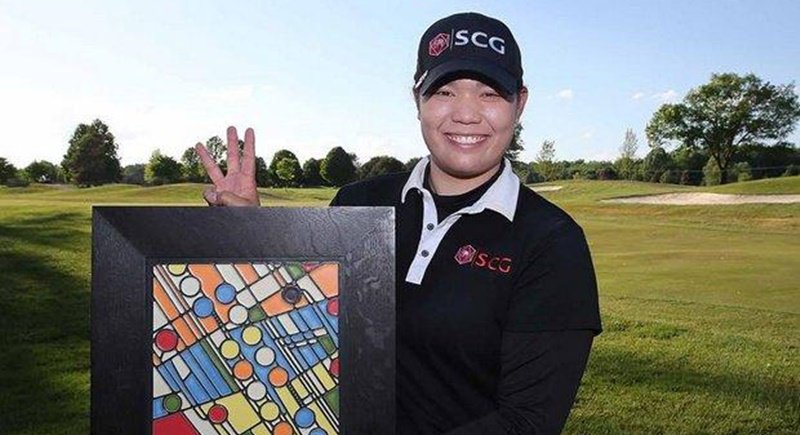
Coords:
288,171
133,174
41,171
691,161
626,163
262,173
217,149
411,163
655,163
162,169
338,167
726,113
192,167
91,158
7,170
516,145
311,176
711,173
287,180
380,165
545,164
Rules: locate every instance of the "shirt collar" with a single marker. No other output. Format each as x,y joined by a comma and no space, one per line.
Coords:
500,197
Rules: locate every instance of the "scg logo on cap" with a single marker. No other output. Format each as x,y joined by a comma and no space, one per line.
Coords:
481,39
438,44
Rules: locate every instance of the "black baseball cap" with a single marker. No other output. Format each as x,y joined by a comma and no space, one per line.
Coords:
468,44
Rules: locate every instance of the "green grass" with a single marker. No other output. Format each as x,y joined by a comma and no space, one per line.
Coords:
700,304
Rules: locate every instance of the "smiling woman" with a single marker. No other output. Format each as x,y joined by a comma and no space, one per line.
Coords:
496,293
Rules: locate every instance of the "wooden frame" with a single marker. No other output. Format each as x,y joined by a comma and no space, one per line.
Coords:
138,250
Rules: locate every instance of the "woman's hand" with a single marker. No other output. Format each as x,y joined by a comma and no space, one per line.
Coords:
238,186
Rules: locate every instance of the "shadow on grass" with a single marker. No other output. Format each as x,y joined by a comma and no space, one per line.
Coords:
44,326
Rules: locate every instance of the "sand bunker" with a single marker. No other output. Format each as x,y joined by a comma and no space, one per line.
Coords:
698,198
545,188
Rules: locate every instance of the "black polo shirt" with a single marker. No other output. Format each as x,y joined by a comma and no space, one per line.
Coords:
513,270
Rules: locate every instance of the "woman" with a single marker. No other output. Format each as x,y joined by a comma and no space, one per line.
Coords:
496,294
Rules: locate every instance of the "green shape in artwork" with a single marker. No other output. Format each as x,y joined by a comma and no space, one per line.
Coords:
221,367
327,344
295,270
332,398
172,403
256,314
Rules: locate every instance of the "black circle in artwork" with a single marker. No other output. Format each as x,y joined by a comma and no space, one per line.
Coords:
291,294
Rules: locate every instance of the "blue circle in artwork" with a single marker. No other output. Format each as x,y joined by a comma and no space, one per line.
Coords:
318,431
225,293
304,417
203,307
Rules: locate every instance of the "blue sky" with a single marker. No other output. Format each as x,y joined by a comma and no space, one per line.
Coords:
312,75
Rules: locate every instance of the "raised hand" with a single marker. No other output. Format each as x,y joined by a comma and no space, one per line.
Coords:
238,186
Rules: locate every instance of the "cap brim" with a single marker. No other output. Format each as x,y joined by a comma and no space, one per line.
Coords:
493,75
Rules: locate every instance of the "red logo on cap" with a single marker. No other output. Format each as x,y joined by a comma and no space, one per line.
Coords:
438,44
465,254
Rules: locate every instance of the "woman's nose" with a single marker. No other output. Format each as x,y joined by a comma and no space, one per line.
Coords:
467,111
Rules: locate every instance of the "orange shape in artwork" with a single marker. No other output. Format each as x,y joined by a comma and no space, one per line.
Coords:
327,278
248,273
283,428
278,376
242,370
209,280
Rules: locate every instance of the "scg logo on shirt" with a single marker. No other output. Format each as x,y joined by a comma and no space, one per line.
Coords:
467,254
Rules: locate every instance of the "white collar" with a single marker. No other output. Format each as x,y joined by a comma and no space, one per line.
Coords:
501,196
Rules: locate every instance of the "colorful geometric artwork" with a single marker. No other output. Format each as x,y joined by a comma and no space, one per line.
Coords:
249,348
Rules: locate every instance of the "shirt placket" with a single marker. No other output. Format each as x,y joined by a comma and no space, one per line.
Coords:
431,235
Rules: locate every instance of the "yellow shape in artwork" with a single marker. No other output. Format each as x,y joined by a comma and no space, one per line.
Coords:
262,430
240,414
270,411
177,269
229,349
322,420
324,376
288,399
251,335
297,383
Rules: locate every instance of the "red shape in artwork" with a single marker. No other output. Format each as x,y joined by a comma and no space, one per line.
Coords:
335,367
218,414
174,424
166,340
333,307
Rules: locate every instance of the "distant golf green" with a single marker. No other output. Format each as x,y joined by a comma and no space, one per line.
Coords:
700,305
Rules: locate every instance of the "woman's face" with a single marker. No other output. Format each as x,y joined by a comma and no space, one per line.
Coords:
467,126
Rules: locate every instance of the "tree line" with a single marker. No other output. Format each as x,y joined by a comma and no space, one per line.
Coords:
729,129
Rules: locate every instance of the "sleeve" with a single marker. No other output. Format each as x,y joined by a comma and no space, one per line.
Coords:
541,372
556,289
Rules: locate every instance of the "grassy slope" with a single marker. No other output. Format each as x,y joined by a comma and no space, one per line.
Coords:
700,306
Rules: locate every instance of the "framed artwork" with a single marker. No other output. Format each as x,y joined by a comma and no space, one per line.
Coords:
242,321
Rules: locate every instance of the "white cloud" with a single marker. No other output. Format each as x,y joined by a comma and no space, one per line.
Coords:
669,96
637,96
565,94
587,134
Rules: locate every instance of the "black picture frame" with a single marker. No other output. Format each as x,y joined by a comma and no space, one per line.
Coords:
128,241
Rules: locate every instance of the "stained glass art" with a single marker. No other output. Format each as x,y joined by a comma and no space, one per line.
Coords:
248,348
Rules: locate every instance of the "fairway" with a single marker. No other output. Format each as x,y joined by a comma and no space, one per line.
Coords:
700,306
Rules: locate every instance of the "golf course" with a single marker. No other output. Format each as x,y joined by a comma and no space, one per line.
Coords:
700,305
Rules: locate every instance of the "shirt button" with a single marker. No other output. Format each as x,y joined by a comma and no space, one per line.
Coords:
430,226
424,253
